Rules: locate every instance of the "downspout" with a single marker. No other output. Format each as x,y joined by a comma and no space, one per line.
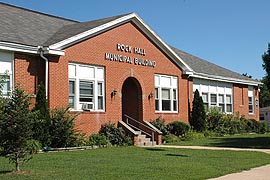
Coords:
41,53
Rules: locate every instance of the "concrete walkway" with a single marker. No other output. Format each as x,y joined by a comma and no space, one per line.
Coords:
259,173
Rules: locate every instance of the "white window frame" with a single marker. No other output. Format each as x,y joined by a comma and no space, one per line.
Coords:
172,86
95,80
217,89
7,58
250,97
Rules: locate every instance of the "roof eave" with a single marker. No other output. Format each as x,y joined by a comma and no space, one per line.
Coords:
133,17
225,79
15,47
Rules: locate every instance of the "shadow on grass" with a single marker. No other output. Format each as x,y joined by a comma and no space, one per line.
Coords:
242,142
5,172
177,155
155,149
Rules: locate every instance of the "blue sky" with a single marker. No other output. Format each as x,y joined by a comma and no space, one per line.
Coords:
231,33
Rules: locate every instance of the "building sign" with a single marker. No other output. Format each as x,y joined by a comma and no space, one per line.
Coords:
129,50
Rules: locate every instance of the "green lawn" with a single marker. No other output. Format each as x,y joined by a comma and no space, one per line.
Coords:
259,141
128,163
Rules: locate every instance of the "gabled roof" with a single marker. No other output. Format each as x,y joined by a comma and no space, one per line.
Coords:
23,26
77,28
207,70
26,30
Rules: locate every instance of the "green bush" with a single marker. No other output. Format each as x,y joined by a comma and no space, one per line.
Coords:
160,124
116,136
193,135
263,127
212,119
198,115
178,128
62,131
171,138
98,140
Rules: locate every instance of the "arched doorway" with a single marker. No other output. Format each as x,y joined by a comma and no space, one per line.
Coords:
132,99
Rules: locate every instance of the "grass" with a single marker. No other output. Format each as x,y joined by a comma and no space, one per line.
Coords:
130,163
257,141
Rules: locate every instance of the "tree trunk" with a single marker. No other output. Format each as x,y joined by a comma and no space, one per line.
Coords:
17,164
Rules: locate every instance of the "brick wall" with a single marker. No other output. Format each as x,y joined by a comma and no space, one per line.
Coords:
240,93
92,51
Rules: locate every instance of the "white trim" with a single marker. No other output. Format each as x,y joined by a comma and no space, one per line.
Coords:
225,79
7,46
136,20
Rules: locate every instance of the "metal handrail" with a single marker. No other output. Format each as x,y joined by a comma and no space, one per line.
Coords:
152,130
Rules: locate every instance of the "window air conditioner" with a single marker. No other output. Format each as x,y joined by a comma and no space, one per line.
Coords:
87,106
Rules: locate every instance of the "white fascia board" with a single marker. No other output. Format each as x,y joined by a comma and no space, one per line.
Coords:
225,79
140,23
165,48
18,47
14,47
84,35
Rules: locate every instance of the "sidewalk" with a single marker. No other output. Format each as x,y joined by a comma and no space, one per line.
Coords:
259,173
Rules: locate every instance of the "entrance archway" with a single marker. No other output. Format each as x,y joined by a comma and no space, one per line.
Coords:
132,99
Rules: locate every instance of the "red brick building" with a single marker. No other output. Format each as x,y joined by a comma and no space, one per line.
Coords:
113,67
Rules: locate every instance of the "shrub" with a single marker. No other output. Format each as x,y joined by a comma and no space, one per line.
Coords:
171,138
98,140
198,116
193,135
160,124
62,131
178,128
263,127
116,136
212,119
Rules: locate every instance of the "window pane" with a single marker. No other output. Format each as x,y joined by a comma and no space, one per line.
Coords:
100,89
229,107
71,87
175,105
71,101
174,94
228,99
86,88
213,98
205,97
156,94
5,84
157,105
100,102
221,98
166,105
165,94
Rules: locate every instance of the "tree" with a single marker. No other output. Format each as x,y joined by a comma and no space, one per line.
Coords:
15,128
198,115
264,94
42,124
266,66
62,131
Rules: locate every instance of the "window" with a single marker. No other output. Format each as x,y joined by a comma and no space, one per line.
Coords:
229,103
166,99
250,100
215,94
5,84
205,100
6,72
71,93
221,102
157,99
250,105
213,99
100,96
86,87
166,93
